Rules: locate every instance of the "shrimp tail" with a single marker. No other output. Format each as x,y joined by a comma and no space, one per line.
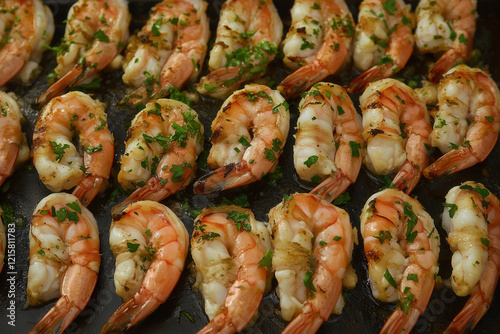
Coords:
451,162
470,315
58,87
130,313
7,72
226,177
58,318
219,325
407,177
447,61
300,80
143,94
400,322
375,73
88,188
303,324
153,190
82,281
224,80
332,186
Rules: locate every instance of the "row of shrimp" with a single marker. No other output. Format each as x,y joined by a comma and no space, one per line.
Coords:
321,38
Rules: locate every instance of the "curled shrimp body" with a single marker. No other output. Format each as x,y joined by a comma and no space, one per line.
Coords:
248,136
64,259
466,95
168,51
402,249
383,42
327,119
227,246
56,158
396,127
12,139
150,244
472,220
96,31
248,35
447,28
25,26
313,243
318,42
162,146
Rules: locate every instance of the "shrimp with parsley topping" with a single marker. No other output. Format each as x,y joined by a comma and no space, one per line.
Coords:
57,160
328,142
467,123
150,244
472,219
96,32
396,128
162,146
313,243
248,35
64,259
25,27
446,28
317,44
402,249
231,250
168,51
383,42
248,136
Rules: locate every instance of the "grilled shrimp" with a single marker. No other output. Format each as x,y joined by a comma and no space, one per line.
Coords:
446,27
248,34
317,44
466,95
472,220
64,259
402,248
327,119
383,42
162,146
396,127
25,26
150,244
313,242
168,51
228,247
96,31
241,156
56,158
12,139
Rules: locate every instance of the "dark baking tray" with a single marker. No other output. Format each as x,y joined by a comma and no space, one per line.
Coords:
362,313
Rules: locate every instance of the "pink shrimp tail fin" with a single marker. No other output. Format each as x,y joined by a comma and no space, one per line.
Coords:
88,188
11,66
300,80
226,177
223,81
451,162
58,87
332,186
375,73
219,325
467,319
303,324
58,318
153,190
407,177
400,322
76,289
130,313
446,62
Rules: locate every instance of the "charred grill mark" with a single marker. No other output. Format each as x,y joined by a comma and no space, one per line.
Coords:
375,105
216,133
375,132
301,30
